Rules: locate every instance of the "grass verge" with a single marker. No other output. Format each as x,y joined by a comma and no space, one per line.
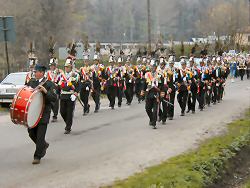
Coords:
4,108
195,169
246,185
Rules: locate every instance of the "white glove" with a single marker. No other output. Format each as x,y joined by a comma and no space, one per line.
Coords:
73,97
87,88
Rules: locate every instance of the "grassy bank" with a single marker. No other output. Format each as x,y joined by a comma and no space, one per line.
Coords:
199,168
4,108
246,185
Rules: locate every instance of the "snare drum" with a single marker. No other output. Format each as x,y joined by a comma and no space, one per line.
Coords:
27,107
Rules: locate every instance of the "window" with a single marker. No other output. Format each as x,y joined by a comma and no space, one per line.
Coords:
16,79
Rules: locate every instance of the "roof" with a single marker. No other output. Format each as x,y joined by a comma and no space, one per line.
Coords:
244,29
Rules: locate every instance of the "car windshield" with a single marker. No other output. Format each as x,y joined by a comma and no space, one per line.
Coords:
16,79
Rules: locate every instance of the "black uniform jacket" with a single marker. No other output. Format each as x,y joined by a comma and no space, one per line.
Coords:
49,97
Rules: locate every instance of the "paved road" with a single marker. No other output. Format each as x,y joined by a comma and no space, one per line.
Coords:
110,145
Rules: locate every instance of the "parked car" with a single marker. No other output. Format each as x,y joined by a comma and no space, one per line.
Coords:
10,85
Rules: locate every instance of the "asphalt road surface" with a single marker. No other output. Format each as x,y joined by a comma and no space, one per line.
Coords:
110,145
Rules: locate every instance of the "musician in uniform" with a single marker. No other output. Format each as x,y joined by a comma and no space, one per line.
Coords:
53,75
96,79
214,84
242,68
208,86
86,51
152,96
111,82
129,84
119,78
164,92
30,74
85,88
140,84
32,61
37,134
192,87
171,85
69,84
182,87
219,80
201,87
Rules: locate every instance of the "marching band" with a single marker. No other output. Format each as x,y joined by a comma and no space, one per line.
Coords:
158,81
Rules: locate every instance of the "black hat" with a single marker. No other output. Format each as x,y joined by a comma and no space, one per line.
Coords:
40,68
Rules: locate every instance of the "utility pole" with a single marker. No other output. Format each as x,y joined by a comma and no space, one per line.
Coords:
6,43
149,27
249,12
7,34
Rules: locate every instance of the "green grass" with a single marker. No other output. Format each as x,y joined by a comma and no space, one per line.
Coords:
4,109
197,168
246,185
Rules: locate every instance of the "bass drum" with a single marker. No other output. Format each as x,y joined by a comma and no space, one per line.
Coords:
27,107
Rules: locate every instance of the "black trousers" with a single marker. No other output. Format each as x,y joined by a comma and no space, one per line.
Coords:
192,101
37,134
139,87
67,108
201,99
129,94
111,94
152,109
84,95
208,96
214,94
96,97
139,97
163,111
219,94
138,91
242,73
119,95
55,107
182,100
170,107
248,73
